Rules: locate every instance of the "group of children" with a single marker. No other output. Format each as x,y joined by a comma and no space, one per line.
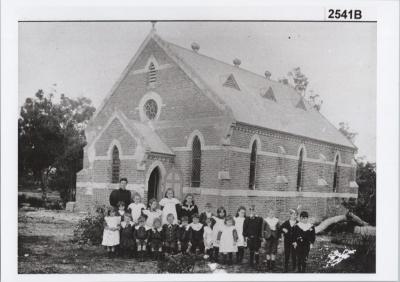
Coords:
179,228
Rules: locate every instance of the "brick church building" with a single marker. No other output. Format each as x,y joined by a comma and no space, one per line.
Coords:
179,119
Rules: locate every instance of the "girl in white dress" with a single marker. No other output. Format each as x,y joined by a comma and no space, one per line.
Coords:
241,243
227,239
136,207
111,238
219,224
152,213
208,238
168,205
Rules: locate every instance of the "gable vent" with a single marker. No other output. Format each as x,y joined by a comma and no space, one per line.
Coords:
231,83
301,105
152,74
269,94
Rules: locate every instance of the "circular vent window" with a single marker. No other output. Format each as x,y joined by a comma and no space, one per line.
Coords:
151,109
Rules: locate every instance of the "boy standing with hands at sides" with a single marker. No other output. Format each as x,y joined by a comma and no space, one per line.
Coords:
287,231
271,238
303,239
170,235
252,233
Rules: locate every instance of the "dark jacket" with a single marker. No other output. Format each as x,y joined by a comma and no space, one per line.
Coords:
196,235
170,233
183,234
140,233
155,235
303,238
188,211
252,227
288,237
120,195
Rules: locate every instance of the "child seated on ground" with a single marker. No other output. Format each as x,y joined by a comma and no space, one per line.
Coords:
141,236
127,241
304,238
196,235
111,234
227,239
155,239
184,235
208,239
170,235
136,207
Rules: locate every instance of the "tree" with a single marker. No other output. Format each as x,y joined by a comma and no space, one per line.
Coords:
299,79
51,140
300,82
345,130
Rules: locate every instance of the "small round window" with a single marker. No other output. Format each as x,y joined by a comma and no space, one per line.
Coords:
151,109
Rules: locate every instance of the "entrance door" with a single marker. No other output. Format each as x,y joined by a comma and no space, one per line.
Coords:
153,185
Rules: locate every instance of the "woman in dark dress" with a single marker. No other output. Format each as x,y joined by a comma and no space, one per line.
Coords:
188,208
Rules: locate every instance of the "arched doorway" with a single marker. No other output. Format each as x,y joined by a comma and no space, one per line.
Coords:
154,184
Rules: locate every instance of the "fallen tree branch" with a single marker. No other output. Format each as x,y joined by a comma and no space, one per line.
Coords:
329,221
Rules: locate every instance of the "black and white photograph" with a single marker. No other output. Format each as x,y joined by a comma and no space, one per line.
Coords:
217,147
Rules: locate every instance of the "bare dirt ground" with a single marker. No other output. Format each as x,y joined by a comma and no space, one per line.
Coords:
45,246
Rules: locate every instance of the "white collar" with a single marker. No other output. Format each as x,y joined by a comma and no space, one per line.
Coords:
157,229
304,226
138,226
196,226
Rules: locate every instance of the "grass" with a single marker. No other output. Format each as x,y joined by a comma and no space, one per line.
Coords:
45,246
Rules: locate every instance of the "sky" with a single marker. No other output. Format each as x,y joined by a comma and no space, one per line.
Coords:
339,59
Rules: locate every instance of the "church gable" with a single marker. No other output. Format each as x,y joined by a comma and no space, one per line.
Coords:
115,133
153,89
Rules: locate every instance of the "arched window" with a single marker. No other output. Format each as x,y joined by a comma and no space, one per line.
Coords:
152,74
253,164
196,162
300,171
336,174
115,166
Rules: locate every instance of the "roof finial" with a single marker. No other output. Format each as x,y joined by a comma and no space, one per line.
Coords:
153,25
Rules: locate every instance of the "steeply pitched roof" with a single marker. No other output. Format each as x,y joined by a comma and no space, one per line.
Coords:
249,106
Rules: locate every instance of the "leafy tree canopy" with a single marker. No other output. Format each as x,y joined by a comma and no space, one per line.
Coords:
51,138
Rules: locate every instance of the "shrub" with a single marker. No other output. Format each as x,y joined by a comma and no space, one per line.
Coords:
89,230
364,258
177,264
32,201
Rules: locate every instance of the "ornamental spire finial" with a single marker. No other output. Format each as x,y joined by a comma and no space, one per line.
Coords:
153,25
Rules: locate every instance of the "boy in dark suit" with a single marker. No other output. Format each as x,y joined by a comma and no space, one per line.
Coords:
252,233
287,231
170,235
303,238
